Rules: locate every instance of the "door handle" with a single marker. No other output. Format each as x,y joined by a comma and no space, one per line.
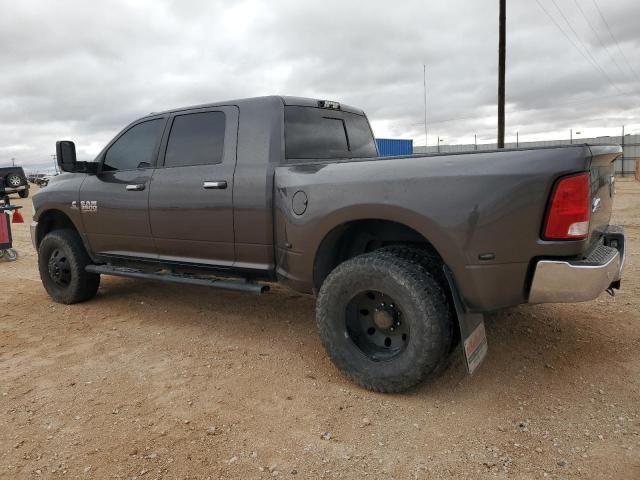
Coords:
135,187
221,184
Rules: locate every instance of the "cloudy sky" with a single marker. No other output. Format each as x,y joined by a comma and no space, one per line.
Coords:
82,70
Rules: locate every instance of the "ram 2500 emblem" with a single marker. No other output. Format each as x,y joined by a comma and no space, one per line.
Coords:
86,205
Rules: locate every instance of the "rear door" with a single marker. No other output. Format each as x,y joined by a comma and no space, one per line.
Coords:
114,203
191,195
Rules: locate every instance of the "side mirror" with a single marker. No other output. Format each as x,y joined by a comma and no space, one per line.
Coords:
66,155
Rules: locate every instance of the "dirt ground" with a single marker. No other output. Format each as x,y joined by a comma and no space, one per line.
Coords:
161,381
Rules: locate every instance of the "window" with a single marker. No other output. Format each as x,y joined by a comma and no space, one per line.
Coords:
316,133
196,139
136,148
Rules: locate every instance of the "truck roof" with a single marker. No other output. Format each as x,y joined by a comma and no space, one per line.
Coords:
253,101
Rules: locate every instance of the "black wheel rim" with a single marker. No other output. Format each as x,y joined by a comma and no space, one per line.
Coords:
59,268
376,325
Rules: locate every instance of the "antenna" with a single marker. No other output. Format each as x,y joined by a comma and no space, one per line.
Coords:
424,77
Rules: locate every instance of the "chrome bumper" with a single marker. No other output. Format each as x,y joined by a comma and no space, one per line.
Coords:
556,281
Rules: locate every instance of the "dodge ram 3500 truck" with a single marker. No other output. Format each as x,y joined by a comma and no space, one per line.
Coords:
404,253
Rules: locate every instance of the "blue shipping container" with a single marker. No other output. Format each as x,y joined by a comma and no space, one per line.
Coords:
389,147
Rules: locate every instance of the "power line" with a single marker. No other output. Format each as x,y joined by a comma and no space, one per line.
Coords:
574,44
586,49
593,29
606,24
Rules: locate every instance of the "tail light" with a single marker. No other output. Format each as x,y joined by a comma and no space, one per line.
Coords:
569,212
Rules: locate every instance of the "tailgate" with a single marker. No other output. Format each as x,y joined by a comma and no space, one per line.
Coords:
602,187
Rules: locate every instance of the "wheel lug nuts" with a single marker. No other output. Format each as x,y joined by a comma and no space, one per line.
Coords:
397,324
392,329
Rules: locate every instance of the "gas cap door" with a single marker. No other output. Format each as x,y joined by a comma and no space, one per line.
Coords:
299,202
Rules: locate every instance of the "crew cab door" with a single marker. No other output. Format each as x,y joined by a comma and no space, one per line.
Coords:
115,202
191,194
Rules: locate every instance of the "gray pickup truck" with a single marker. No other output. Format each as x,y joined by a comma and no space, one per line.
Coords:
403,253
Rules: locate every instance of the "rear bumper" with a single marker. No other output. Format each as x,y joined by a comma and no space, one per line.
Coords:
556,281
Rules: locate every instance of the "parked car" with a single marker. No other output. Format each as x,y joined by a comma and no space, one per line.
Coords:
404,254
13,180
44,181
35,178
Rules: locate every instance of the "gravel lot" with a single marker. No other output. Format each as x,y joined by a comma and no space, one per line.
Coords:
164,381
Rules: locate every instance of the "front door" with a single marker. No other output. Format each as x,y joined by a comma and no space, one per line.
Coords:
115,202
191,193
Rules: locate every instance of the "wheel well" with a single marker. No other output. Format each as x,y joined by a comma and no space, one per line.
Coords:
362,236
52,220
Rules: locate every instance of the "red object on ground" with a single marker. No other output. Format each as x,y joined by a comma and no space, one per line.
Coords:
17,217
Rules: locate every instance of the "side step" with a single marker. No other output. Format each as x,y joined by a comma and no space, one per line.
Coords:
165,276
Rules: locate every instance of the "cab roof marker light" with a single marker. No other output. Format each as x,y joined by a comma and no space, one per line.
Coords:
329,104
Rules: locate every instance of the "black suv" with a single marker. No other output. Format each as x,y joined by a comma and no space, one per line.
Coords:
13,180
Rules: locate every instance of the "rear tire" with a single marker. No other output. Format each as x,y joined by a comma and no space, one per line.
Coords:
384,321
62,259
24,193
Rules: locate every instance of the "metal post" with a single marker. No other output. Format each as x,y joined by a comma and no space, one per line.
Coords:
517,139
438,143
571,136
13,162
475,140
501,70
424,77
622,159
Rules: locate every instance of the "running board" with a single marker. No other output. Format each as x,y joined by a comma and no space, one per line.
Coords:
165,276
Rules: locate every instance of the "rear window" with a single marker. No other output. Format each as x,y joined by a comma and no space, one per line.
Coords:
317,133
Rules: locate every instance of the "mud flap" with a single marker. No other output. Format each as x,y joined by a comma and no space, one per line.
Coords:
472,332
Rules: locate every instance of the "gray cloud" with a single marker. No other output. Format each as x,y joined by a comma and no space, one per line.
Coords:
83,70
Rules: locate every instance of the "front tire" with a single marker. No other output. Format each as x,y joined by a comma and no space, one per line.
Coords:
384,321
62,259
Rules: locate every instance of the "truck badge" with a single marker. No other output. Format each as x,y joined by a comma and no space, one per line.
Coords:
86,205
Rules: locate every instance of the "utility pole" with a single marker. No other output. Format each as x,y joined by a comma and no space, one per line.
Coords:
517,139
424,78
13,162
475,140
571,136
438,143
502,44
